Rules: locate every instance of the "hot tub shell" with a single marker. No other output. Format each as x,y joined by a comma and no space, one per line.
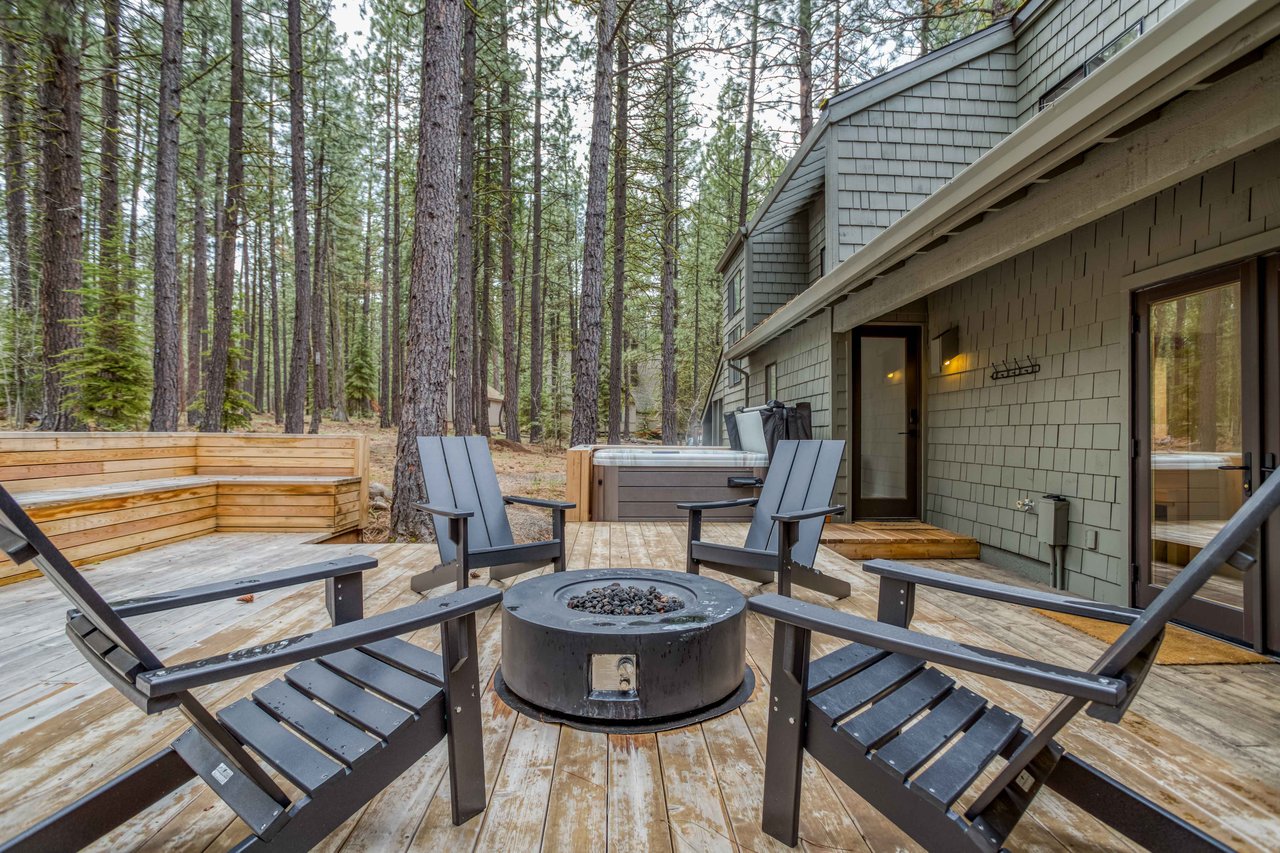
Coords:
646,483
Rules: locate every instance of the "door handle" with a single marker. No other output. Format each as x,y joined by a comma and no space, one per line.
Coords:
1247,468
908,432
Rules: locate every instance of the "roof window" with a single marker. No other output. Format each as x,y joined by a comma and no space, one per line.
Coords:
1091,65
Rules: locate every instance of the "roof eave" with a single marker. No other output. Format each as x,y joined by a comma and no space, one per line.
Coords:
1140,78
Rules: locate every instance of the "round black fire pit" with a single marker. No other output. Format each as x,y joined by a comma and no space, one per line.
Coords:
671,652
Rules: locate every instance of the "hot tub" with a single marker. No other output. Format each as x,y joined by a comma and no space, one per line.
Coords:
646,483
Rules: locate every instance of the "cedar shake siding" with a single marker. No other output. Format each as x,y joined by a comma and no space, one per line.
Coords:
1064,430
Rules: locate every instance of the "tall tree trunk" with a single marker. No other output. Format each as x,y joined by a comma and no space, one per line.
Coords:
277,384
435,224
198,310
510,370
319,354
16,215
109,236
397,351
224,284
296,397
536,284
749,127
804,60
260,336
616,401
167,355
464,346
586,358
669,214
484,308
384,376
138,140
61,229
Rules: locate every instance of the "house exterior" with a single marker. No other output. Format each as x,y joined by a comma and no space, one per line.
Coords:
1041,261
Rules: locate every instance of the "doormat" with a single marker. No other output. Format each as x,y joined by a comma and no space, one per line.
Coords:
1180,647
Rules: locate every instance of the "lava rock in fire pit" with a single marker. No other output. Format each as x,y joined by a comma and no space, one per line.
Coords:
618,600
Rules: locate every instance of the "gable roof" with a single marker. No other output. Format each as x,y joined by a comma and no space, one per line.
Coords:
1155,68
806,172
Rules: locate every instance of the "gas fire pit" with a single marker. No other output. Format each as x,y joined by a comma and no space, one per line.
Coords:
623,649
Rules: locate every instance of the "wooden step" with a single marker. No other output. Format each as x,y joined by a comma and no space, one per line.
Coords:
897,540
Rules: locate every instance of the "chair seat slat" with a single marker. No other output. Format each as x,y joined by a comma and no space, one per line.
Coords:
413,693
875,725
946,779
851,694
406,656
332,733
350,701
840,664
298,761
907,752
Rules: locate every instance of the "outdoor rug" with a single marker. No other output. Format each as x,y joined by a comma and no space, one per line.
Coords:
1180,647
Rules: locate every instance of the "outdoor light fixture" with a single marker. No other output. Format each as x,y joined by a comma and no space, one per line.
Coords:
944,347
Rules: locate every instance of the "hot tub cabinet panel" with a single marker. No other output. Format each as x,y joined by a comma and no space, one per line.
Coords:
646,484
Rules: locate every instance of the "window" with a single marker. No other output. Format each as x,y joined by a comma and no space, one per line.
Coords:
771,382
733,293
1091,65
733,368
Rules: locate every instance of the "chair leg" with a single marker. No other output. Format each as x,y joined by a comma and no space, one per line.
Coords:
784,751
557,532
466,740
695,533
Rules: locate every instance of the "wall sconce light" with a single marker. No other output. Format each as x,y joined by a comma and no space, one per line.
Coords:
944,347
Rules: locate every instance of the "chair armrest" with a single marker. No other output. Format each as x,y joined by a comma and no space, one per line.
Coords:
699,507
405,620
1001,591
538,502
446,511
803,514
243,586
890,638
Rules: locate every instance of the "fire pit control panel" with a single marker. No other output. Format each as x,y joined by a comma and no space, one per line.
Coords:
614,677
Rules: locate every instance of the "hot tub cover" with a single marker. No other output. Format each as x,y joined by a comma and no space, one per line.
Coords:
678,457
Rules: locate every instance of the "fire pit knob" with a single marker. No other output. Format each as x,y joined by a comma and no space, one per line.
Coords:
626,672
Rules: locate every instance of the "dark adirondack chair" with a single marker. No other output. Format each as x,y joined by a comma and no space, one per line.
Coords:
367,704
782,542
470,515
874,712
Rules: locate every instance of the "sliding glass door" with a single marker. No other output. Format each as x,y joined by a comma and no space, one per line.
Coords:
1202,374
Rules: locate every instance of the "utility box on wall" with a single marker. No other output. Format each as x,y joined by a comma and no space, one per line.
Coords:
1053,520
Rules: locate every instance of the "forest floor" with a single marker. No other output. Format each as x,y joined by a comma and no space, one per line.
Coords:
523,469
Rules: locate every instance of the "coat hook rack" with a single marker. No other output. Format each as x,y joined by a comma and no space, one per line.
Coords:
1005,370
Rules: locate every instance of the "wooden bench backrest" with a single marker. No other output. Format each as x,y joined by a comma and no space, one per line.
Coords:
35,461
282,455
32,461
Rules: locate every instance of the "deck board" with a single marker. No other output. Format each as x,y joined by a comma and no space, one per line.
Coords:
1201,739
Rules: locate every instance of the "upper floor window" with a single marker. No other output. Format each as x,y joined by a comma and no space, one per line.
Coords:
735,365
1092,64
733,293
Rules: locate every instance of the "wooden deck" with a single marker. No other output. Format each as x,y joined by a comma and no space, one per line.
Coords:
897,540
1200,739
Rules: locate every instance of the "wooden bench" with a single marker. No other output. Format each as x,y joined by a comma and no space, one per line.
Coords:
100,495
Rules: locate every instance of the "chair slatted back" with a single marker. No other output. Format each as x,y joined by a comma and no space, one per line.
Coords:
802,475
458,472
23,541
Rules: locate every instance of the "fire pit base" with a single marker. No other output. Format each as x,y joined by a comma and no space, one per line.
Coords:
628,727
620,671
